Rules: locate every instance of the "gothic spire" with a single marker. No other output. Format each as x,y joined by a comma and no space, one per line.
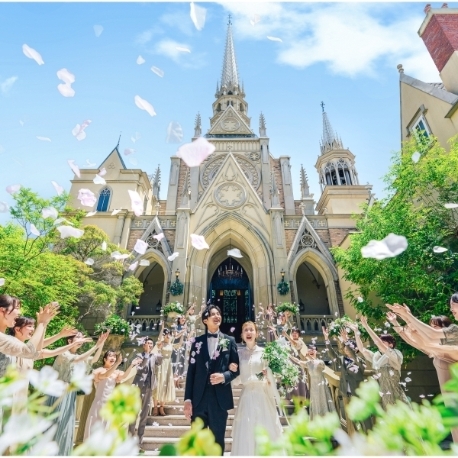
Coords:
329,140
305,191
157,183
198,126
229,75
274,189
262,125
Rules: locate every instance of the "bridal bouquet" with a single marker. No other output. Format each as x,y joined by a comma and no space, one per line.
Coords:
342,323
277,357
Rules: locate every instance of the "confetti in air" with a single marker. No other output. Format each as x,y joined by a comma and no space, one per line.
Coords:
4,207
416,157
43,139
12,189
196,152
450,206
79,134
86,197
144,105
59,189
255,19
158,237
74,168
235,253
68,231
157,71
99,180
198,15
49,212
32,54
136,202
275,39
174,133
439,249
140,60
68,78
173,256
140,246
391,246
89,261
182,49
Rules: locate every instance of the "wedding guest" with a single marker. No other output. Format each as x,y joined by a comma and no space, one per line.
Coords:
270,317
105,380
320,396
66,408
10,347
178,355
387,362
256,406
146,381
165,388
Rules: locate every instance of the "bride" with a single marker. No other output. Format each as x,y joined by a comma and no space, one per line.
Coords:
257,401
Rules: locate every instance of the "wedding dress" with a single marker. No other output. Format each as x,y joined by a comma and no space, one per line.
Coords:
256,406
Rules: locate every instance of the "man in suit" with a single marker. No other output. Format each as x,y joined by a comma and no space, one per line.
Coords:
208,391
145,379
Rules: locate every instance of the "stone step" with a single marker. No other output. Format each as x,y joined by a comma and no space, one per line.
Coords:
156,443
180,420
173,431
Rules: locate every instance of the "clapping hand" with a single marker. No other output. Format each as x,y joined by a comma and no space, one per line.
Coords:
325,333
68,331
392,317
102,338
353,327
46,314
136,361
343,335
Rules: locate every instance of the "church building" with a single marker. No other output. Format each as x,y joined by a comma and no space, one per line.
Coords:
240,198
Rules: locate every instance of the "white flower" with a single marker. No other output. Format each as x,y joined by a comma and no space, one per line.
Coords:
99,443
127,448
46,445
80,379
47,381
22,428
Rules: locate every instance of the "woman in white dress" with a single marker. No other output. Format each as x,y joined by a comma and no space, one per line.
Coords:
105,380
257,402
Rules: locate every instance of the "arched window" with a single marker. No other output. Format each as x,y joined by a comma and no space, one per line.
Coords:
104,200
344,173
218,108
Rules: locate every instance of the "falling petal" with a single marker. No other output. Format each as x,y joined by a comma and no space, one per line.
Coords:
232,329
59,189
44,139
89,261
275,39
408,379
2,281
144,262
64,75
416,157
133,266
67,91
235,253
4,207
115,212
90,164
104,246
144,105
451,206
198,242
133,161
360,300
182,49
32,54
90,214
34,230
193,154
439,249
173,256
99,180
98,29
140,60
12,189
391,246
128,151
254,19
68,231
136,202
174,133
158,237
158,71
49,212
78,132
198,15
140,246
102,172
74,167
86,197
61,220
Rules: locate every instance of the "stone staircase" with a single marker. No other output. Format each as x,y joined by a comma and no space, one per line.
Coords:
168,430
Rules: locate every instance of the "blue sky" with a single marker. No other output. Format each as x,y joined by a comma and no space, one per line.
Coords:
342,53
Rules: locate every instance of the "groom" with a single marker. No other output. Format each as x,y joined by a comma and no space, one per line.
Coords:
208,392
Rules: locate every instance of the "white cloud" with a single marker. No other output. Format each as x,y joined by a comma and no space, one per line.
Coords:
168,48
351,39
180,20
6,85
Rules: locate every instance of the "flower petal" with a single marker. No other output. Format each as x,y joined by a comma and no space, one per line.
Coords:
144,262
67,91
144,105
133,266
116,211
98,29
173,256
275,39
439,249
102,172
416,157
32,54
140,60
74,167
158,71
34,230
193,154
174,133
392,245
451,206
235,253
158,237
49,212
128,151
140,246
136,202
104,246
198,242
86,197
88,214
59,189
68,231
44,139
99,180
2,281
4,207
198,15
89,261
13,188
182,49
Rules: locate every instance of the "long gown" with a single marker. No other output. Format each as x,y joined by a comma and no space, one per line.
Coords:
65,421
301,390
256,405
104,387
165,388
178,357
320,397
388,366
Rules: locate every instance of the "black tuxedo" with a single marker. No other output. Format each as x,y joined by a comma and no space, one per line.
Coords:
211,402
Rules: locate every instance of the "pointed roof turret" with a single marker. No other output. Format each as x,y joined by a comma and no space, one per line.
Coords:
274,190
305,191
156,181
198,126
330,140
262,126
229,75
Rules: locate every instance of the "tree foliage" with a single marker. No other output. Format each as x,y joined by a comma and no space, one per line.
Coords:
415,209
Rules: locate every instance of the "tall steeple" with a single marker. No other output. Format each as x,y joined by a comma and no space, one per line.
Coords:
229,75
329,140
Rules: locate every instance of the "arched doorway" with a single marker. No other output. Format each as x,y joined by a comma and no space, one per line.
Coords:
230,290
153,280
312,295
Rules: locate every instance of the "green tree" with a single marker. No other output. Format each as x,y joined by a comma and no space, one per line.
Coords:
415,209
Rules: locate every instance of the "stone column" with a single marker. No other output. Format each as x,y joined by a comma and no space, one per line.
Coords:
173,185
118,229
287,185
126,231
265,173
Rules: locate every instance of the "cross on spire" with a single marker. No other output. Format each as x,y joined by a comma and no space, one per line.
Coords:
119,139
229,19
322,106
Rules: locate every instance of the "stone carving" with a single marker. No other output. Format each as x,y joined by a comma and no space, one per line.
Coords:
211,169
230,195
307,240
254,156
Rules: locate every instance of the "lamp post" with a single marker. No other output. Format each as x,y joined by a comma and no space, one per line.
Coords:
282,275
177,274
